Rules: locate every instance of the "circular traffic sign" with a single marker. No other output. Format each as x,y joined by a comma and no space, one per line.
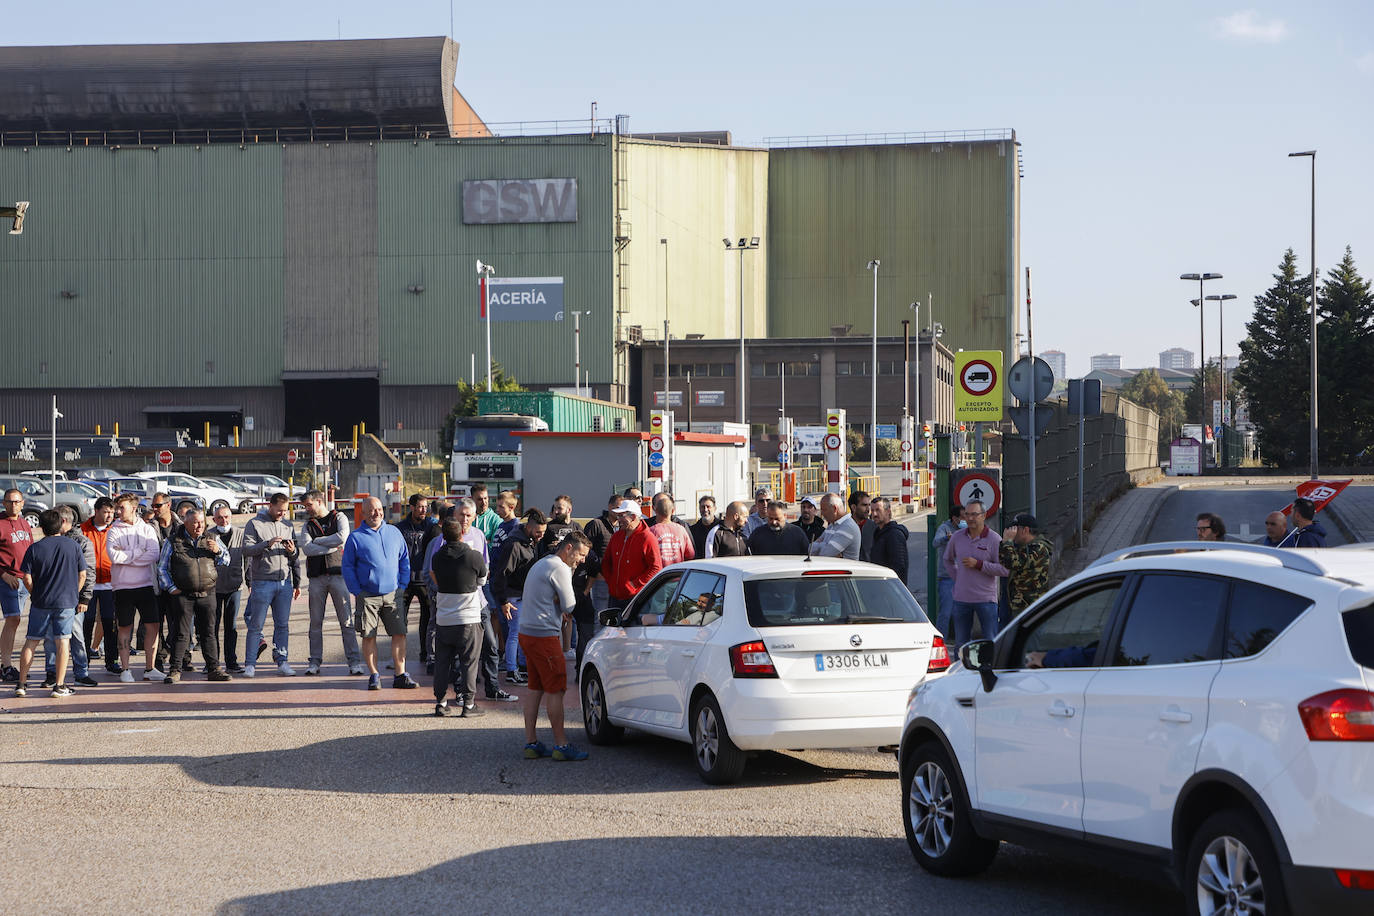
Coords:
978,487
164,457
782,445
656,421
978,378
656,461
832,421
906,446
655,443
832,442
292,456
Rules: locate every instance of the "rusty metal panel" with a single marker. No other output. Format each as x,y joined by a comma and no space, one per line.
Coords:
145,267
942,218
694,195
329,256
427,299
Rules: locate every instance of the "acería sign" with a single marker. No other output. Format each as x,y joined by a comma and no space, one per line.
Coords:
525,298
520,200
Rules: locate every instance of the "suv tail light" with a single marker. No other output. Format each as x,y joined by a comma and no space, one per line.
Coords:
939,656
751,659
1355,880
1339,715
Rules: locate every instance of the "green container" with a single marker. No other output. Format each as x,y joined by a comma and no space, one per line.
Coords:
564,413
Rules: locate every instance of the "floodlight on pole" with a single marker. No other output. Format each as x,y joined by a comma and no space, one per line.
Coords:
1202,344
745,244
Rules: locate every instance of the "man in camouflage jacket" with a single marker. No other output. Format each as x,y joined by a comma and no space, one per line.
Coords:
1026,554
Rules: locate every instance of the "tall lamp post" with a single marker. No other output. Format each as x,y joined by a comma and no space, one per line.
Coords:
485,271
1312,433
873,265
749,244
1202,338
916,400
577,349
1221,347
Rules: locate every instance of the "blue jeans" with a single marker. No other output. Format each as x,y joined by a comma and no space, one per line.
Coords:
944,606
80,663
514,655
963,620
262,594
491,654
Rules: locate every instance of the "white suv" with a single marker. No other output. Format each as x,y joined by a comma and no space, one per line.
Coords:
1204,707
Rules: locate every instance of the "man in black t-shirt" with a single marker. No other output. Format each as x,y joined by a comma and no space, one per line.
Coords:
777,537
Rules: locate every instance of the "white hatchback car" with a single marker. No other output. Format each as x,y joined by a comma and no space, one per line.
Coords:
1207,708
760,653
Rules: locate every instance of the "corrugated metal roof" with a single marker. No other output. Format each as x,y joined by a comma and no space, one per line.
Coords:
254,84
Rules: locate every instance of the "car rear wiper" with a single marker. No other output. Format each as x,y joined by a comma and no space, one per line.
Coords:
860,618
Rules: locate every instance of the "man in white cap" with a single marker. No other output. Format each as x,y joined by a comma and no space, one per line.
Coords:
810,520
632,558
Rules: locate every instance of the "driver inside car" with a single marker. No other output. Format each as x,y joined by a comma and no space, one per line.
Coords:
1068,657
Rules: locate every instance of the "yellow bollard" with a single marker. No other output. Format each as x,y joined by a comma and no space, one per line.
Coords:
236,437
207,433
116,429
97,429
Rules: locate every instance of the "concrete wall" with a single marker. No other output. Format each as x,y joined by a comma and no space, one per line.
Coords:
587,468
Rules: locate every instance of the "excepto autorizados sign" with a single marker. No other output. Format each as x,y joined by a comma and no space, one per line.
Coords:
978,385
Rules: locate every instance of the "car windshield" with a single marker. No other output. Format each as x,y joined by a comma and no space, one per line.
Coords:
77,488
485,439
823,600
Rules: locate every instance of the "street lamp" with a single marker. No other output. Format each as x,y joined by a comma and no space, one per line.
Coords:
749,244
1312,433
1202,337
916,400
577,349
1221,360
873,265
483,272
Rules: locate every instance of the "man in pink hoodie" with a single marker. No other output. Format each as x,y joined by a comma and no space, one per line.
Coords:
132,545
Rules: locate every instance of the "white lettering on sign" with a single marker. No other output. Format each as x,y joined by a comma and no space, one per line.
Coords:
520,200
527,297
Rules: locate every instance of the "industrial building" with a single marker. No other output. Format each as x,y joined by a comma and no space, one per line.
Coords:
271,237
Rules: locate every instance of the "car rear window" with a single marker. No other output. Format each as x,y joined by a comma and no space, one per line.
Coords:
823,600
1258,615
1359,634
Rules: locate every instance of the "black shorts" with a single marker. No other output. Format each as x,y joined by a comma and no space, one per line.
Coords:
142,600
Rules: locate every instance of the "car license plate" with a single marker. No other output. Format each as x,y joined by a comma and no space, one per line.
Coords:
851,661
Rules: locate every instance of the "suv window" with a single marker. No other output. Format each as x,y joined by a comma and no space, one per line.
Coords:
655,603
698,602
1258,615
1173,620
1359,634
825,600
1071,633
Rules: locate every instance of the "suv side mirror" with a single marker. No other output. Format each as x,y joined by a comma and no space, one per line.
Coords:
977,656
610,617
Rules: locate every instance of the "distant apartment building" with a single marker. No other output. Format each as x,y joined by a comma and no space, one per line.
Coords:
1105,361
1176,358
1058,361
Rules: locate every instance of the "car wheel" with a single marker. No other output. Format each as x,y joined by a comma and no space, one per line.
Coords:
718,760
245,507
218,505
599,730
184,506
1232,868
939,829
31,516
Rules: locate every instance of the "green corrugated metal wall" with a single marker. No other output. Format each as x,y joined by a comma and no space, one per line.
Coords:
936,215
427,339
174,257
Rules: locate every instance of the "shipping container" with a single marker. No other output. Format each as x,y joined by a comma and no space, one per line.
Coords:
565,413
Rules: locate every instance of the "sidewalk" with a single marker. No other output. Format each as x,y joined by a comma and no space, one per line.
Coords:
1125,523
1353,513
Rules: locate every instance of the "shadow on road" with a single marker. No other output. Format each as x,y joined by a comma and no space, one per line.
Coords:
765,874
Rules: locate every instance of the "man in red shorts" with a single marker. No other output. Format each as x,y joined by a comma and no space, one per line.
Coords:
548,598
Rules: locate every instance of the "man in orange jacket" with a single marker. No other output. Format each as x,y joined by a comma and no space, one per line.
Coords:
102,613
632,558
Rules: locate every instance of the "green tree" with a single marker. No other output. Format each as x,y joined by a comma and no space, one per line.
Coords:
1147,389
467,401
1196,404
1345,351
1273,370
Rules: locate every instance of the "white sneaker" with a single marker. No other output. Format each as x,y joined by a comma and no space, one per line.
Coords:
249,670
314,669
126,676
357,669
286,670
152,674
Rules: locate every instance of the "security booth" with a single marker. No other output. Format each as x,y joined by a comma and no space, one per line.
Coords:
588,467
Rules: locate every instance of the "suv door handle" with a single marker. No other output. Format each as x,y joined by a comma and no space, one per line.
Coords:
690,653
1061,711
1174,714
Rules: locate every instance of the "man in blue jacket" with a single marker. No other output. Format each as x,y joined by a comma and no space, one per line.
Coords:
1307,531
376,562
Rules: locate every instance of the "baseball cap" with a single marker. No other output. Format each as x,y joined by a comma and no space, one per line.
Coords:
627,507
812,500
1024,520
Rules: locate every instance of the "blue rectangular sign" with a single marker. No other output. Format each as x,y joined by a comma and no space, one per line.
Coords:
525,298
886,431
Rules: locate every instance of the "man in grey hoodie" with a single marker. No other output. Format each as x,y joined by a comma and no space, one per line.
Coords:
274,567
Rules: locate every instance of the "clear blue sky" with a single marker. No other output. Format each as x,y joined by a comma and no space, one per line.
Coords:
1155,134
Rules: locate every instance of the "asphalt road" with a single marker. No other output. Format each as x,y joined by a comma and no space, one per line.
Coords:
314,795
1242,506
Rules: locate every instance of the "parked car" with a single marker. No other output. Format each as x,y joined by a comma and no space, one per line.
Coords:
89,474
185,487
271,483
1205,707
45,475
140,485
249,494
81,498
761,653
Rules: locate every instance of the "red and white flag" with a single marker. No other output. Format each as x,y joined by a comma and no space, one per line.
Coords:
1320,492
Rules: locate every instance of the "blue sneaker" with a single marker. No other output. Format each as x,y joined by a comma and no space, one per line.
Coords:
374,682
536,750
568,752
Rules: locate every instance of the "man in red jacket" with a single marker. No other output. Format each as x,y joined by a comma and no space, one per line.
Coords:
632,558
14,543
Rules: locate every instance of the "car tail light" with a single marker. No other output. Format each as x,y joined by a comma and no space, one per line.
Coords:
751,659
828,572
1339,715
1355,880
939,656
